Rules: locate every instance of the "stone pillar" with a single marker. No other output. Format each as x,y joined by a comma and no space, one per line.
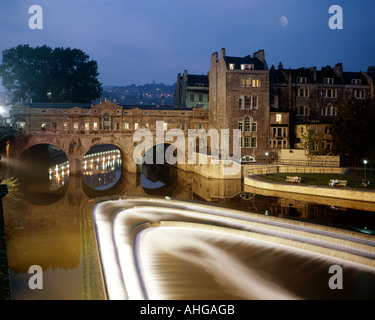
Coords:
74,166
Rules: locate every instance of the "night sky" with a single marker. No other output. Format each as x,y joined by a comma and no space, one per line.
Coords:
140,41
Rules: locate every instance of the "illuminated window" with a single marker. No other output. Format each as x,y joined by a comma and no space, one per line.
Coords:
20,125
165,126
65,126
247,67
256,83
126,126
136,126
76,125
231,66
87,126
44,126
95,126
278,118
248,82
301,80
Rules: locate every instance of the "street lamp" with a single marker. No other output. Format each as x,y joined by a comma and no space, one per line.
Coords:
365,162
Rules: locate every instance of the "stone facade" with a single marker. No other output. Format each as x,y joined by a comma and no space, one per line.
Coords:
313,97
75,129
239,99
191,91
286,99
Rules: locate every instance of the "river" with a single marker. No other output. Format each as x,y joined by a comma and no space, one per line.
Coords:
44,221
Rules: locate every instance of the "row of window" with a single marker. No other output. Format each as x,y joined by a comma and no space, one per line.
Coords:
201,98
254,83
327,130
330,93
326,111
327,80
248,102
278,144
106,125
232,66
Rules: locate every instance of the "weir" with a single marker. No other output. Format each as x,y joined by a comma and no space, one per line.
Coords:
144,253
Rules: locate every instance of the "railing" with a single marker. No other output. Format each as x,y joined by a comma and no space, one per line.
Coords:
309,163
273,169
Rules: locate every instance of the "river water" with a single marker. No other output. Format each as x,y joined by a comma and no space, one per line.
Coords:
44,226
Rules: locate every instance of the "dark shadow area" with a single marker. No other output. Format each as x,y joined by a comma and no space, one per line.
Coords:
43,174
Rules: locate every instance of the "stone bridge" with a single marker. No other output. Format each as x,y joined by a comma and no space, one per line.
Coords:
76,128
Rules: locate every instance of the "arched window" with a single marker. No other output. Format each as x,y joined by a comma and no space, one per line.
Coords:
247,124
107,121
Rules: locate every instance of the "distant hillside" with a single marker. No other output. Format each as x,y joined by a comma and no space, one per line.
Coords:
148,94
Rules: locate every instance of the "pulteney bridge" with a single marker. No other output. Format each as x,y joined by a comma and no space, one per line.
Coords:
76,128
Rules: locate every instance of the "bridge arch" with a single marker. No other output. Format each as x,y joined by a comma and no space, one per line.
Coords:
127,157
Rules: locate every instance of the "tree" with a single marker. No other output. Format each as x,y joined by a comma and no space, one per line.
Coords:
311,143
50,75
354,131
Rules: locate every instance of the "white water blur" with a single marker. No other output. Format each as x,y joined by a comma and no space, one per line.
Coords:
167,249
231,274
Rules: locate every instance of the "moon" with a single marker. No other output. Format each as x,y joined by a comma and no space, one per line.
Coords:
283,21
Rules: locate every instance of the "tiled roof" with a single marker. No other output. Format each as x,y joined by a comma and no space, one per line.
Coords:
196,80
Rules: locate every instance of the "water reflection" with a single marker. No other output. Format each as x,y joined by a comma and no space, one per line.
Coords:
44,226
58,175
101,170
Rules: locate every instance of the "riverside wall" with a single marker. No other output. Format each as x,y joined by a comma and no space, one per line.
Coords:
328,192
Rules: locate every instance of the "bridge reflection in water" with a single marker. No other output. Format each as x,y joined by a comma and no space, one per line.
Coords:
49,227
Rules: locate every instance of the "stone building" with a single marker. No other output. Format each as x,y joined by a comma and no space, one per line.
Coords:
313,97
63,118
191,91
279,131
239,99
